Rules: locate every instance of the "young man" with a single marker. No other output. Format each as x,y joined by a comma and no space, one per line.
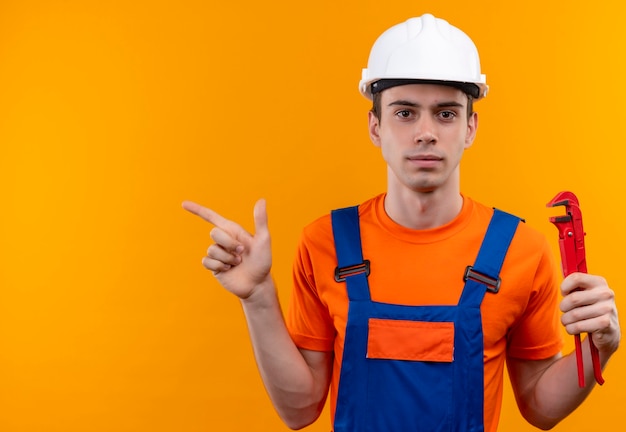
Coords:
390,307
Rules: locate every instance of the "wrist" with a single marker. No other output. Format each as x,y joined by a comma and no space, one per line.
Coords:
263,294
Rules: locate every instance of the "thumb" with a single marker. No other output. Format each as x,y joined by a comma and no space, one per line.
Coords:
260,218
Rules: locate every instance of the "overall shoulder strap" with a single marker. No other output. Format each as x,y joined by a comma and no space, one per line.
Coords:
351,267
486,268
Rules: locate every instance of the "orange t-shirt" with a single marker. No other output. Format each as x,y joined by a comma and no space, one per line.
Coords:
426,267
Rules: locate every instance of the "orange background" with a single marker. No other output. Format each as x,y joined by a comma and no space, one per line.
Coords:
112,113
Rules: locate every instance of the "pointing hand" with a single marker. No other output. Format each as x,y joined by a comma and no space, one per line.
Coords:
238,259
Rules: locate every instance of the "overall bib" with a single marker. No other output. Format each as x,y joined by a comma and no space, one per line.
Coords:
413,368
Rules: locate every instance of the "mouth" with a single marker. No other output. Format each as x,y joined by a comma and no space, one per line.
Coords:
425,160
424,157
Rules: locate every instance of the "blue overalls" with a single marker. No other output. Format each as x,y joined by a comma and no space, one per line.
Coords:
378,394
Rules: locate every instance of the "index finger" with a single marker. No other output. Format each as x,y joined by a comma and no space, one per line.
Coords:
581,281
205,213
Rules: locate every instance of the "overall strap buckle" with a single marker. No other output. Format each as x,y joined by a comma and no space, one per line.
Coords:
493,285
342,273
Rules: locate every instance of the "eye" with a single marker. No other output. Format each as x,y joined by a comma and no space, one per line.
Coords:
447,115
404,113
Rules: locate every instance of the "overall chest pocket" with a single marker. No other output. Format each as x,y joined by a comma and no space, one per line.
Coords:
410,340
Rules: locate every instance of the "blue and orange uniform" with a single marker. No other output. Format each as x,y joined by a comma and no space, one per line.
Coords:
410,349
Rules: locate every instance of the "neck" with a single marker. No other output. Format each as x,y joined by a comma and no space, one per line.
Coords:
423,210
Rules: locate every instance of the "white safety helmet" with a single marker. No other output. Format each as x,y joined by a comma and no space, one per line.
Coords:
424,49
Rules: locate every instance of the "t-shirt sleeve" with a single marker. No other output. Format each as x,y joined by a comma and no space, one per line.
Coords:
538,334
308,320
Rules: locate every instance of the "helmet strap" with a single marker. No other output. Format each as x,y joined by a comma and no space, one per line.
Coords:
383,84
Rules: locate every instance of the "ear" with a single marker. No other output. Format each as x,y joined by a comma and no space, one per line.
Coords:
374,126
472,127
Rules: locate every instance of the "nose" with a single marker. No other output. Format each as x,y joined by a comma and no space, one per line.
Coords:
425,132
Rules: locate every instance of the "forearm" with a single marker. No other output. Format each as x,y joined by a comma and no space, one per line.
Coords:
297,393
555,392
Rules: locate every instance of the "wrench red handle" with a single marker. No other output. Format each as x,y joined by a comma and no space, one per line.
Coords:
573,259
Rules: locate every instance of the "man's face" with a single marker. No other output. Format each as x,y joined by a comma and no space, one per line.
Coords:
422,132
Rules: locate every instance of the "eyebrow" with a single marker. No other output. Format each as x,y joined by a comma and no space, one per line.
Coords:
408,103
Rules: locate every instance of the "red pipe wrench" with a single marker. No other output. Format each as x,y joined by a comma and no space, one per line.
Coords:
572,246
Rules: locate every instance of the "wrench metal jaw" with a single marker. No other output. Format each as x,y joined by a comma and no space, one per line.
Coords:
573,259
571,233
